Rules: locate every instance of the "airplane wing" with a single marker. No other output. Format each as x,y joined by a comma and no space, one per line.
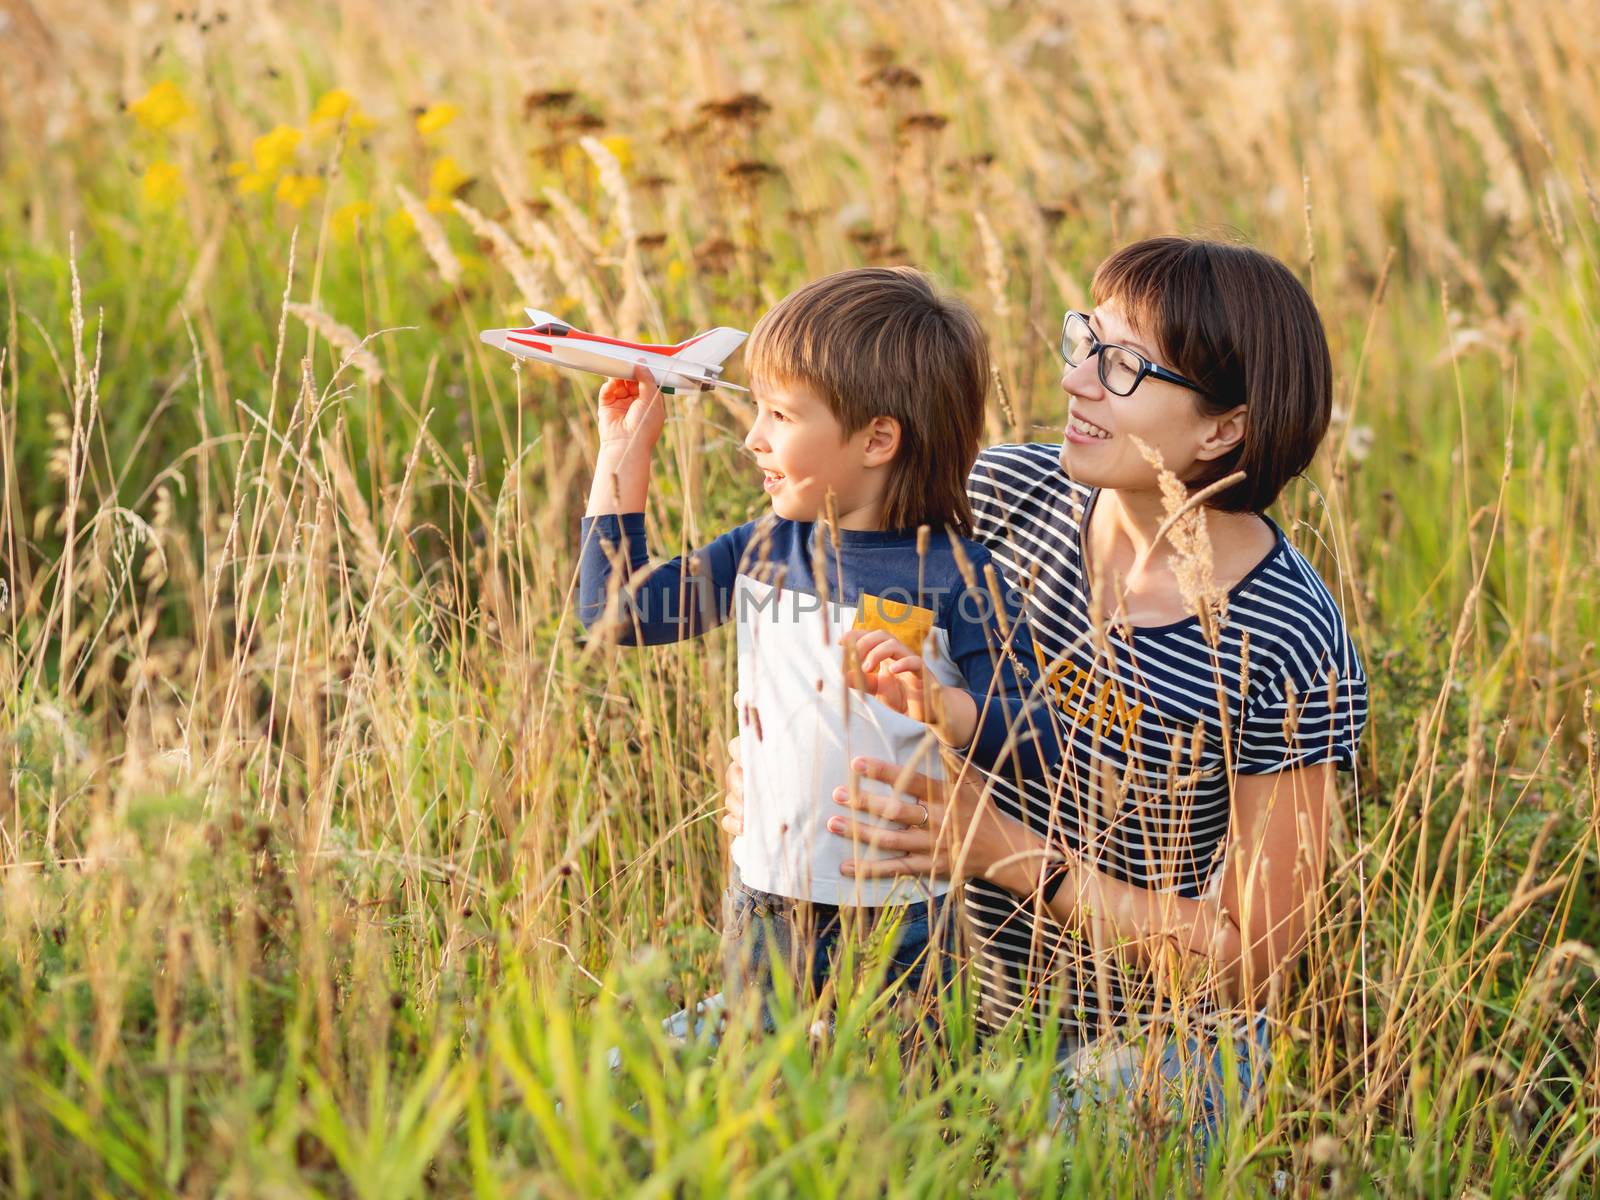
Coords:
678,377
711,347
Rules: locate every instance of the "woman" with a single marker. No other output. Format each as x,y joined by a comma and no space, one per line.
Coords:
1147,900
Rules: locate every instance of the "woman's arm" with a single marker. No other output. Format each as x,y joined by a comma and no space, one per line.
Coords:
1249,930
1257,921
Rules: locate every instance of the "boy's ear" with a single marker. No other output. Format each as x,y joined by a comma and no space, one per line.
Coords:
882,441
1227,433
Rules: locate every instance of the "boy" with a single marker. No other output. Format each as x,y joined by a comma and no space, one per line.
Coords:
869,390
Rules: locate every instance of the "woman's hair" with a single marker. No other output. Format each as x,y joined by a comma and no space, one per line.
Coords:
1238,323
880,341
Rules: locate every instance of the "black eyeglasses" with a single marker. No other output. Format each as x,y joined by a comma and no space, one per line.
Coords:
1121,369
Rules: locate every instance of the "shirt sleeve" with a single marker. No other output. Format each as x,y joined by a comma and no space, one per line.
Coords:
1018,730
654,605
1310,707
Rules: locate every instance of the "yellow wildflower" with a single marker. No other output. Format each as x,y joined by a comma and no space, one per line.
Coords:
435,117
348,217
274,151
332,107
676,270
161,185
446,178
399,225
621,147
335,106
250,181
161,107
297,190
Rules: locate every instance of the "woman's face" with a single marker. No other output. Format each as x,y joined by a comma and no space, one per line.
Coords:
1099,444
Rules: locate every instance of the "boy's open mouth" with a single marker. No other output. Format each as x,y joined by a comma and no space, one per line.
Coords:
771,480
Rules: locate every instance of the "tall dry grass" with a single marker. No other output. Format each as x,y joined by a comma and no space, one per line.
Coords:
332,861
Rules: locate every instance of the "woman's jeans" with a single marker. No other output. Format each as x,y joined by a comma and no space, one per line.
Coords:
1202,1079
760,929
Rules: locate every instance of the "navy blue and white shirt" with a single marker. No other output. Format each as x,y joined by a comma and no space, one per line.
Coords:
1156,719
792,590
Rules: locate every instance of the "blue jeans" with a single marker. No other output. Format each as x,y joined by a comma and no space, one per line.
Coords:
759,929
1200,1079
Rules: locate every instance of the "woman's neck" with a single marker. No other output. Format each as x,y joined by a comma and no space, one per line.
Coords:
1125,528
1125,541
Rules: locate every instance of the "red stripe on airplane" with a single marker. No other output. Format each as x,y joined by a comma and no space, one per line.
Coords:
580,336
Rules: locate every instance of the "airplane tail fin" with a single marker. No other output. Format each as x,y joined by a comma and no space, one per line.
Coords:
710,348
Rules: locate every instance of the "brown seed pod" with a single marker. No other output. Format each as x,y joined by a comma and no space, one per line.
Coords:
923,122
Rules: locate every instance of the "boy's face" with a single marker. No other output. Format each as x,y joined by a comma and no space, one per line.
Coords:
804,454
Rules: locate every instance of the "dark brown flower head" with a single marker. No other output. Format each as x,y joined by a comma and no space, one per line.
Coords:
923,122
546,101
893,78
749,170
714,252
654,183
746,108
651,241
972,165
580,122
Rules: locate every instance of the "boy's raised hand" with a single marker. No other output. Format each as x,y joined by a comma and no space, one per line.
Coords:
631,411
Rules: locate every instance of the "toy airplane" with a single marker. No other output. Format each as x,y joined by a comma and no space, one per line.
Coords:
694,365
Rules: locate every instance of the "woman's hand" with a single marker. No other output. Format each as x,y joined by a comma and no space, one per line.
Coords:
948,830
883,667
733,798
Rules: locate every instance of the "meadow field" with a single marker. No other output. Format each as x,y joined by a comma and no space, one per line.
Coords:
333,863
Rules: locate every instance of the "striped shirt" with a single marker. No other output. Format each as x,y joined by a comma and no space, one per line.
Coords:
1156,720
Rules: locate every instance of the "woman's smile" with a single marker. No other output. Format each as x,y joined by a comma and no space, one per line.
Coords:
1081,431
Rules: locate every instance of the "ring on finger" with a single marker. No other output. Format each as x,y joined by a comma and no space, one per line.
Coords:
924,820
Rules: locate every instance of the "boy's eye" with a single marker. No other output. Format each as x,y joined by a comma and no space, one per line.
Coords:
778,416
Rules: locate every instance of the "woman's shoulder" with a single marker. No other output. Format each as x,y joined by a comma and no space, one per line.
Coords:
1293,617
1029,465
1308,690
1026,478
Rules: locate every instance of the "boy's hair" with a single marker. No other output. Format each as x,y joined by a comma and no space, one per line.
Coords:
1237,322
881,342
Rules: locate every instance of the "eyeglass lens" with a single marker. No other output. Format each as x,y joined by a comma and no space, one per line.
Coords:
1119,368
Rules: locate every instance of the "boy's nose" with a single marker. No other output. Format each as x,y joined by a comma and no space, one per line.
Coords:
755,441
